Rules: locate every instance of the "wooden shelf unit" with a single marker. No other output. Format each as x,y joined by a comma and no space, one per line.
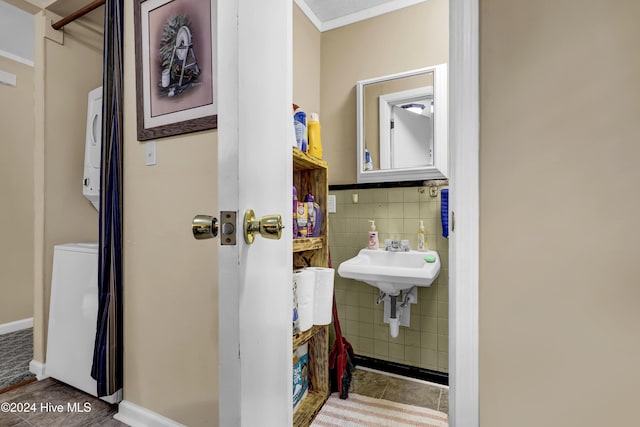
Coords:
310,176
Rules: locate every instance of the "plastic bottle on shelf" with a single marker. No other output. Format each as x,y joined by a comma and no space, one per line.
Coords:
295,212
314,224
368,164
313,130
300,123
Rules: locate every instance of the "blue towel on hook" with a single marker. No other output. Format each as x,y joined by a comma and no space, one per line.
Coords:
444,211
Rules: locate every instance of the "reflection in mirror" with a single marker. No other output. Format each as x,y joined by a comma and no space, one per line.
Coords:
402,121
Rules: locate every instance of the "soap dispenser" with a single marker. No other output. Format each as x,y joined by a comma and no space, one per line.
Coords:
422,238
373,236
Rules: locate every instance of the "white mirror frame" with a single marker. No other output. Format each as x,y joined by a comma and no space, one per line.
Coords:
439,170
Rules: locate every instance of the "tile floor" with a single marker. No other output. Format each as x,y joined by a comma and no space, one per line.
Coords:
397,389
50,393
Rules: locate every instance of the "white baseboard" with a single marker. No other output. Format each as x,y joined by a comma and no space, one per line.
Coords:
136,416
38,369
18,325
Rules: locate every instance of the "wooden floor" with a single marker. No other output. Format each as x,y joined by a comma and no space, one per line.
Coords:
49,403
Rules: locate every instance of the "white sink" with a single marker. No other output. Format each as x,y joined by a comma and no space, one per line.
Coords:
392,272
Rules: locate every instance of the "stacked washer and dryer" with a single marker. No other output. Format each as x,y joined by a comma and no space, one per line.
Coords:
73,308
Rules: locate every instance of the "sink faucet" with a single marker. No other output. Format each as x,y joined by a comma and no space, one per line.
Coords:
396,245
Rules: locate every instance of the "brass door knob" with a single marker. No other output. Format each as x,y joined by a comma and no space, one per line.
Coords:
204,227
269,226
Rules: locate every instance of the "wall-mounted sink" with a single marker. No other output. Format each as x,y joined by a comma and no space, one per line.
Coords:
392,272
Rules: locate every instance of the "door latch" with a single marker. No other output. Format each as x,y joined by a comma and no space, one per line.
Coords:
228,226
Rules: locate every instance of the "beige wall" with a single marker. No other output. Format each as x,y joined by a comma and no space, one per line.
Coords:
71,70
559,207
397,212
306,62
170,279
372,48
16,188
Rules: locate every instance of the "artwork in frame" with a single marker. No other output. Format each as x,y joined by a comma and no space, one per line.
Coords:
175,64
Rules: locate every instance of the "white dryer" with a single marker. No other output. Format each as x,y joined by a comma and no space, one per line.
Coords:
93,148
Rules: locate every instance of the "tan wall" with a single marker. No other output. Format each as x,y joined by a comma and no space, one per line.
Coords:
559,207
71,70
375,47
16,190
306,62
170,279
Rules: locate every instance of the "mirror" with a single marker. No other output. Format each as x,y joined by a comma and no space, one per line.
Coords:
402,126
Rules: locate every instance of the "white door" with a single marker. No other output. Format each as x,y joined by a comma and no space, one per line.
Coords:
255,172
410,139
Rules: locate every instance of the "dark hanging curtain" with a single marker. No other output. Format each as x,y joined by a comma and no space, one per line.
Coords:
107,352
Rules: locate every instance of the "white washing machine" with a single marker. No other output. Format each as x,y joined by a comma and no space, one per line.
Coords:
73,313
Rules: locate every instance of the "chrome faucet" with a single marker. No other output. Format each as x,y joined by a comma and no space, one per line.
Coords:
396,245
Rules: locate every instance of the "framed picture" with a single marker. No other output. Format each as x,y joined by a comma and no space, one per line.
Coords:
175,64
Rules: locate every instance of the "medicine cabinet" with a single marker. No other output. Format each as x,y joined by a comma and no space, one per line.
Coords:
402,124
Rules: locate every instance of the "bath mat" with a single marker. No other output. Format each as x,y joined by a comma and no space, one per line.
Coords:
16,351
363,411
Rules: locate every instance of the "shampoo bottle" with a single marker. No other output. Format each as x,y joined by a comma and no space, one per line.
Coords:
368,164
373,236
422,238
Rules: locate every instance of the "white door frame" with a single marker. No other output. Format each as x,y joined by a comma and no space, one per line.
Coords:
464,213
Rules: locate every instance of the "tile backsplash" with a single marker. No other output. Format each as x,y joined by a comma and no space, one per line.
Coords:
397,213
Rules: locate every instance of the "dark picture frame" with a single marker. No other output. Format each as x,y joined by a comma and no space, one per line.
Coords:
175,67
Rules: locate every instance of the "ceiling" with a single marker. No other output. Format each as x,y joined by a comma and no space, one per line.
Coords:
328,10
324,14
330,14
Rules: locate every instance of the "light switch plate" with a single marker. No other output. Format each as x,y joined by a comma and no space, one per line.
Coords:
332,203
150,157
7,78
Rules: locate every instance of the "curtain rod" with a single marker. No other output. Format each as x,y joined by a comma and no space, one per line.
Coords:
77,14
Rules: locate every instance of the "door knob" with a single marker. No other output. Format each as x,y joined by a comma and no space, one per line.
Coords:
204,227
269,226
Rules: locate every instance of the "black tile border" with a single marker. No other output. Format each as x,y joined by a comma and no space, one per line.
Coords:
395,184
437,377
336,187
